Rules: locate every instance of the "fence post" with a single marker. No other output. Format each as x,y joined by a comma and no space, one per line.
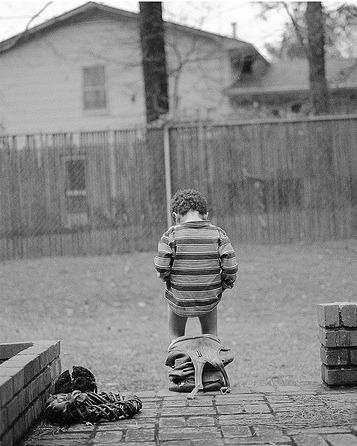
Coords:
167,159
113,170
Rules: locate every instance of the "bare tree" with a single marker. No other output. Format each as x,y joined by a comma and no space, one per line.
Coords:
314,32
190,59
340,24
308,22
152,38
319,92
23,35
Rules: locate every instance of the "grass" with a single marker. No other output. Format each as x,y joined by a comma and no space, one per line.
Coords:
111,317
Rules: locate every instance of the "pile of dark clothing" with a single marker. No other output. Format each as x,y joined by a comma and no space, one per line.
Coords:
198,363
76,400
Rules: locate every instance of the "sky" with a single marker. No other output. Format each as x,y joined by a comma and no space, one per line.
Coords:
214,16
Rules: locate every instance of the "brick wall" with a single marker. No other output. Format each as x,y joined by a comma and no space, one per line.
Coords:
338,339
27,372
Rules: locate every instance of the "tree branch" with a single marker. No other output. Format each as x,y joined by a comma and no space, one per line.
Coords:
24,33
296,27
36,15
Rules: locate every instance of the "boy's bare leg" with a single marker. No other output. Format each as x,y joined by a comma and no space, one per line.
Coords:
209,322
177,325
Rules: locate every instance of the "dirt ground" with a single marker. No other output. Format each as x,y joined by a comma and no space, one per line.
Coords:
110,314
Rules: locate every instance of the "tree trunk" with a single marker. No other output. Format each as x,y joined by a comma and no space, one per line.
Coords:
321,105
316,54
152,37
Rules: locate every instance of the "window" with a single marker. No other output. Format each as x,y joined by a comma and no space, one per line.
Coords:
236,70
247,65
241,67
296,108
75,190
75,176
94,92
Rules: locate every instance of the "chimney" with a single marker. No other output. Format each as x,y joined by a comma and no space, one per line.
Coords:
234,30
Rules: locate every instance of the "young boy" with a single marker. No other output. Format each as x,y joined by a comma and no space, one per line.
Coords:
197,262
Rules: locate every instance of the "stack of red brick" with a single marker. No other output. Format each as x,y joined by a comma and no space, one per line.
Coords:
27,373
338,338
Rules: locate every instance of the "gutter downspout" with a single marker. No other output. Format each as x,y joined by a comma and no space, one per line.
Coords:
168,183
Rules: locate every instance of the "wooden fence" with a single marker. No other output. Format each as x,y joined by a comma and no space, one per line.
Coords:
104,192
273,182
81,194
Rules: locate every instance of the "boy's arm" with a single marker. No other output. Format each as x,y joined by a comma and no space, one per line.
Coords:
229,263
163,259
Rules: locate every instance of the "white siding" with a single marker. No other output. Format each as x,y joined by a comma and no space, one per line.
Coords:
203,77
41,80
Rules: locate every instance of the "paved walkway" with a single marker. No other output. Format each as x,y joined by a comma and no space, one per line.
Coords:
308,416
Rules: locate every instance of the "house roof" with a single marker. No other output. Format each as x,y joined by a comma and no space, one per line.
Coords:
293,76
92,8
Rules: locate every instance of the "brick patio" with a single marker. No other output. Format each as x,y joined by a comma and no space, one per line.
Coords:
312,415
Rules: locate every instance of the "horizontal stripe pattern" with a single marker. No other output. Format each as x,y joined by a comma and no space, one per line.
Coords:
197,261
193,272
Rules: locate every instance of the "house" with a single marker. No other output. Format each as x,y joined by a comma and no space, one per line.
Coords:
281,89
82,71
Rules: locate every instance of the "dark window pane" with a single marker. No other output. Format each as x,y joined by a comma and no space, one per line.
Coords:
94,99
75,172
296,108
77,205
94,76
247,65
94,89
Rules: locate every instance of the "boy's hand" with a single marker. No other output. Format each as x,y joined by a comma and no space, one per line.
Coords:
165,277
161,276
227,284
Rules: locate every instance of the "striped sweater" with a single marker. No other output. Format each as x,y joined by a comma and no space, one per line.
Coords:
197,262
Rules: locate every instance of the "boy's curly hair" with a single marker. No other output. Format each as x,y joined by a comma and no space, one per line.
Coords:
188,199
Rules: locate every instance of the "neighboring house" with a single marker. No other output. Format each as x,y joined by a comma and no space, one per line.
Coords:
82,71
281,89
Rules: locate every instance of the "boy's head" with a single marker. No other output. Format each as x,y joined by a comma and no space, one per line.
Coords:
188,200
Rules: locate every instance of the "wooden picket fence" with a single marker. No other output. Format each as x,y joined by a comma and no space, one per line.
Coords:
81,194
273,182
104,192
